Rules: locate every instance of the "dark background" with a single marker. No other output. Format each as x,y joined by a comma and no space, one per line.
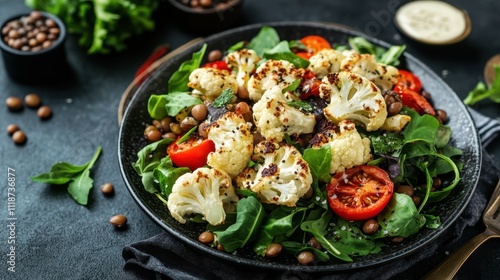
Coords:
59,239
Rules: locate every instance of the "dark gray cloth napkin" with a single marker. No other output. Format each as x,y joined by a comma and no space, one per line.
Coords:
165,257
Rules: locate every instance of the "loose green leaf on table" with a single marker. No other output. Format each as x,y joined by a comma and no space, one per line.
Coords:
78,176
481,92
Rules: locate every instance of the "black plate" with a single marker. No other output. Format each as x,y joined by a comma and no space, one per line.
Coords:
131,140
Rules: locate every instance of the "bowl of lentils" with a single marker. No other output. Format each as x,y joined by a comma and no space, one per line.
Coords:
32,46
207,16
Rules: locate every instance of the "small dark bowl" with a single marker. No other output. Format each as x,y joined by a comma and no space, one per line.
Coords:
40,66
207,20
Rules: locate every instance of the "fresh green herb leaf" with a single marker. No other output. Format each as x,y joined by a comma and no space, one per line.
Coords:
293,86
350,239
236,47
282,52
266,39
400,217
78,177
179,80
319,161
386,143
391,56
226,97
480,92
388,57
420,128
148,159
178,101
102,26
250,215
156,107
188,134
167,174
301,105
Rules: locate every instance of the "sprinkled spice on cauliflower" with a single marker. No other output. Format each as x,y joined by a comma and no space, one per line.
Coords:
273,117
206,191
349,149
233,144
209,83
325,61
244,61
355,98
272,73
384,76
280,177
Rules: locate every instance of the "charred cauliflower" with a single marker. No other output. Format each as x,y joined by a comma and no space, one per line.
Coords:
206,191
384,76
355,98
325,62
209,83
233,144
244,61
272,73
348,148
280,177
273,117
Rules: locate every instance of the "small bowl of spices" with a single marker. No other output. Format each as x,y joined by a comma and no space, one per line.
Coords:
207,16
32,47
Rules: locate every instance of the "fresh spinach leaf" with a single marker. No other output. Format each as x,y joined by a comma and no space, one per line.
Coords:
178,101
400,217
266,39
148,158
78,177
166,174
156,106
350,239
420,128
180,78
282,52
319,161
250,215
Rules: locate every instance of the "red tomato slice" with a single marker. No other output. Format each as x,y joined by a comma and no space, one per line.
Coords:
408,80
309,85
219,64
191,153
359,193
416,101
313,43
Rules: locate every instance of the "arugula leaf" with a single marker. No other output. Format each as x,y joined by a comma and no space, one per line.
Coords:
389,57
249,217
78,177
102,26
282,52
266,39
480,92
180,78
224,98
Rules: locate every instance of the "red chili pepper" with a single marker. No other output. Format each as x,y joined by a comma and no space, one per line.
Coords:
219,64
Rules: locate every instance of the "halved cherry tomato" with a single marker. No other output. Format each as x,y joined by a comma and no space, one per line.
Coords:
313,43
191,153
309,85
408,80
415,101
359,193
219,64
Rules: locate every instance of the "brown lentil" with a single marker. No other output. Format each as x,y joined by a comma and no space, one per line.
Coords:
165,124
396,239
44,112
416,199
305,257
214,55
107,189
157,124
19,137
442,115
154,135
273,250
395,108
206,3
370,226
436,182
220,247
14,103
169,135
242,108
242,93
118,221
32,100
425,94
203,130
199,112
188,123
408,190
206,237
30,33
175,128
11,128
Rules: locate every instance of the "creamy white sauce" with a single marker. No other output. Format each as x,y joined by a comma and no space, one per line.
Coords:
431,21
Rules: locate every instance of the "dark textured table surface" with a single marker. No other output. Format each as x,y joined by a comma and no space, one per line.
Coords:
58,239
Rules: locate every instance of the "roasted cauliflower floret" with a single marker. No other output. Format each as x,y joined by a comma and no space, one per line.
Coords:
396,123
209,83
206,191
233,143
348,148
244,61
273,117
272,73
325,62
384,76
280,177
353,97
